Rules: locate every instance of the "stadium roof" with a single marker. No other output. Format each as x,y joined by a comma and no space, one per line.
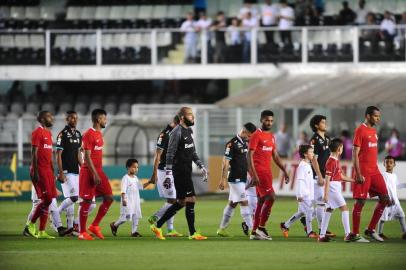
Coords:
311,90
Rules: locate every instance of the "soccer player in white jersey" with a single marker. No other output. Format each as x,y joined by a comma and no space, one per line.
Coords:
333,196
394,210
304,192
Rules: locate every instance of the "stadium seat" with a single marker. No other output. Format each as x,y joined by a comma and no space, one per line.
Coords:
17,108
73,13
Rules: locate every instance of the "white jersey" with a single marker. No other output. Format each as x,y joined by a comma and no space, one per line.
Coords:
304,181
391,180
131,187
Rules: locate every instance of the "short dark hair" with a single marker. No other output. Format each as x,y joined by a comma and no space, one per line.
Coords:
220,13
370,110
335,144
130,162
390,157
303,148
41,115
315,121
71,112
250,127
266,113
96,113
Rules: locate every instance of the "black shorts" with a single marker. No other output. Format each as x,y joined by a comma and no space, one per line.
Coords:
183,185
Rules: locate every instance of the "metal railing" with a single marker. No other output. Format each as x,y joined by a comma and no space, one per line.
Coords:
266,45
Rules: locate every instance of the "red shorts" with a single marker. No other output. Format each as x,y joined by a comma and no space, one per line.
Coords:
45,186
87,187
374,185
265,184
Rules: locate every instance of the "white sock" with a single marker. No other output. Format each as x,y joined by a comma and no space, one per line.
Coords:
65,204
169,223
92,207
246,215
252,203
34,206
70,213
402,224
380,226
324,223
293,219
121,220
134,225
227,214
162,210
309,214
345,217
55,217
319,214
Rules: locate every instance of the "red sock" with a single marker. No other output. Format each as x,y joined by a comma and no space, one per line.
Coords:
37,212
257,216
356,217
265,212
380,207
43,218
104,207
83,213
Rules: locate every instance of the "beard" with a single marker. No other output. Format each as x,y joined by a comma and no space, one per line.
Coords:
189,123
266,128
48,124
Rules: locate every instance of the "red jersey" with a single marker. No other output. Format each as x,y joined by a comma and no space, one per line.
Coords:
93,140
333,168
367,140
42,139
263,145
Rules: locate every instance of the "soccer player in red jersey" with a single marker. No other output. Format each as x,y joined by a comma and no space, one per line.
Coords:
42,174
92,180
261,150
368,178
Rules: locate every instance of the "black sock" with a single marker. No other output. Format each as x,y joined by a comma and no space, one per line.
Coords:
303,220
169,213
190,216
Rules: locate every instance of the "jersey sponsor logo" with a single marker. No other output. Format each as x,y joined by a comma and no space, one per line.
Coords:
371,144
98,148
189,145
47,146
267,148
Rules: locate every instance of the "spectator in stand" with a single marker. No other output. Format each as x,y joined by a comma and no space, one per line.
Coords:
303,139
319,6
248,7
200,6
248,24
283,142
347,15
219,25
234,33
388,31
394,146
286,21
269,16
347,145
204,24
189,27
300,8
361,13
371,35
402,35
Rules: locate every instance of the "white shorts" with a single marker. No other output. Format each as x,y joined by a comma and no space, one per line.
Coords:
392,212
71,186
318,193
34,196
304,206
237,192
335,196
166,188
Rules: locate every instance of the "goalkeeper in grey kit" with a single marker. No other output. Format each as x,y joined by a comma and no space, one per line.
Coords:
179,157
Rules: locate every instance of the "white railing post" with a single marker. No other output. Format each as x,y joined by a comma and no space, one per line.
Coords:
305,39
254,46
154,48
98,47
355,45
203,52
20,151
47,48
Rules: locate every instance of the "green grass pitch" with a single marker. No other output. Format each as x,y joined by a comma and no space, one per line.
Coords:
124,252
